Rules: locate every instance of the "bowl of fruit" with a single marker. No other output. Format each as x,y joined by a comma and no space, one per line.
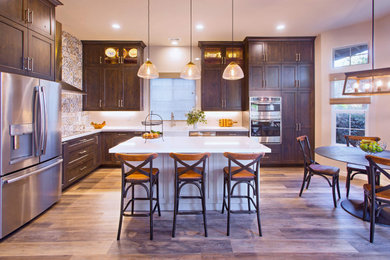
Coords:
372,147
97,125
152,135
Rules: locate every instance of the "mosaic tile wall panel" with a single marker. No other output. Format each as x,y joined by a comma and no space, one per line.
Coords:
73,118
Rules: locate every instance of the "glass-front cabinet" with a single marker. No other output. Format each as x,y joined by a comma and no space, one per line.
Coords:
217,55
119,54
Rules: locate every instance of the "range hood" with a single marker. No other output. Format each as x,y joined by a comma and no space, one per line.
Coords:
66,87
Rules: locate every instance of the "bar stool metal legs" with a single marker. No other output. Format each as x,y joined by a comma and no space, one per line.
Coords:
189,174
136,175
242,174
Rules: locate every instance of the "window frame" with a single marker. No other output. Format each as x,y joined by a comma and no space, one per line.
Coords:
334,113
350,48
171,76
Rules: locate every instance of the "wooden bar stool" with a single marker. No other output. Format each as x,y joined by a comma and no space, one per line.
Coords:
354,169
138,175
190,174
243,173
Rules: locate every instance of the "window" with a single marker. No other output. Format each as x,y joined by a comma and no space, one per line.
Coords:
349,120
348,56
169,96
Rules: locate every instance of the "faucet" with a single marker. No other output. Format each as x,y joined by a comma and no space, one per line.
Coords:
172,119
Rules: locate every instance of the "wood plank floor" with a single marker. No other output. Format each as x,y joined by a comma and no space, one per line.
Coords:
83,225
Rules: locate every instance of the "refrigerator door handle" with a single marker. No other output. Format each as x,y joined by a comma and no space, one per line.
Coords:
41,120
44,121
36,119
32,173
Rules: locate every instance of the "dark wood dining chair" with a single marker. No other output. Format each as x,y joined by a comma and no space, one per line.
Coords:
312,168
141,175
249,174
195,174
354,169
378,196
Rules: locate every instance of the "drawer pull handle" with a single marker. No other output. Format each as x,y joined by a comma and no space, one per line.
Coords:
83,152
83,168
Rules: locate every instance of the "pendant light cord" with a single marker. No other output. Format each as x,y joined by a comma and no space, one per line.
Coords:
190,30
232,25
148,29
373,33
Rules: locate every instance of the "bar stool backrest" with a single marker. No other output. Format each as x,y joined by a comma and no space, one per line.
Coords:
375,167
354,140
254,159
181,158
145,158
306,150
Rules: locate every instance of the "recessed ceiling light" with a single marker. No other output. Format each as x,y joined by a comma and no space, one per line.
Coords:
174,41
199,27
280,27
199,59
116,26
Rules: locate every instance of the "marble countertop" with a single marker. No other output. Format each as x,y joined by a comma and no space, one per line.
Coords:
169,131
185,144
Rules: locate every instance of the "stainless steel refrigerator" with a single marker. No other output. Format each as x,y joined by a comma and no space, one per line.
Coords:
30,149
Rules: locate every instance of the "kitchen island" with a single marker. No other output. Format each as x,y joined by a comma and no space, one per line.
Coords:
214,176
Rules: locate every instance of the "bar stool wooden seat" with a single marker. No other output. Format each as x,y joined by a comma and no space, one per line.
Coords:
140,175
190,174
243,173
311,168
377,195
354,169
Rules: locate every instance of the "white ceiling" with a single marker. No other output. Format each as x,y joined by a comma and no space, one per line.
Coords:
92,19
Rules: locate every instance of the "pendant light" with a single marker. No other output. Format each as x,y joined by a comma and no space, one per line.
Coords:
233,71
368,82
148,70
190,71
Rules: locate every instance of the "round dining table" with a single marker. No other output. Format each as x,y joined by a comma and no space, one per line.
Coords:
354,155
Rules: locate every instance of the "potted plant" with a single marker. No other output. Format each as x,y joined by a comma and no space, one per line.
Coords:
195,116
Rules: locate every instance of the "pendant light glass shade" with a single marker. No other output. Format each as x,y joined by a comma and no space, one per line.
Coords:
233,72
148,71
190,71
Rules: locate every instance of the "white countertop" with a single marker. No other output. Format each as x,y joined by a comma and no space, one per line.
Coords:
169,131
181,144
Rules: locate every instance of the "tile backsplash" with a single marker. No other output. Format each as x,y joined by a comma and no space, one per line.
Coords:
73,118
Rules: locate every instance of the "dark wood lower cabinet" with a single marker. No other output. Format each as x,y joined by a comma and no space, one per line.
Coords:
110,140
81,156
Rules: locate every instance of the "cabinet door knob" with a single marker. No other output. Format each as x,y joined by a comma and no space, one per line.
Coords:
299,56
100,60
27,15
296,57
100,103
31,16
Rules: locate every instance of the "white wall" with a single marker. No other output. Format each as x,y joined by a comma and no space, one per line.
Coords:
379,110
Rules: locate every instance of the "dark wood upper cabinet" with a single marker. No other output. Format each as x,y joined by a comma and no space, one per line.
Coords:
41,53
265,77
92,82
93,54
112,88
29,27
218,94
115,85
211,95
13,47
289,76
41,17
298,51
260,52
14,10
132,89
299,76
